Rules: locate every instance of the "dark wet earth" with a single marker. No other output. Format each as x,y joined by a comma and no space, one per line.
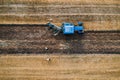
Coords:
39,40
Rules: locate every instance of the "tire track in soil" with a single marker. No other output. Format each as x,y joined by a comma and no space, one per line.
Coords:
38,40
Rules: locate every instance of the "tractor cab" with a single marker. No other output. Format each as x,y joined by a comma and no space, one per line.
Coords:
67,28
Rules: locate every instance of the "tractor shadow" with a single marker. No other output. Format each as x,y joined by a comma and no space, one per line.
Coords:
74,43
97,42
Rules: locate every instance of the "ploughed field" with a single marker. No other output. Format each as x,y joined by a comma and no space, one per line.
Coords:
38,39
95,14
101,20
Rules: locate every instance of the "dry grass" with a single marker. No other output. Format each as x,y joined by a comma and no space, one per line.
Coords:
60,67
89,25
60,1
109,20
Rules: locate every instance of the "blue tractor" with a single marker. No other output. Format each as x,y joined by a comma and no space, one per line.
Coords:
67,28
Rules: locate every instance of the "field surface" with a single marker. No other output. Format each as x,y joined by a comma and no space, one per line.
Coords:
62,2
96,14
33,53
40,40
60,67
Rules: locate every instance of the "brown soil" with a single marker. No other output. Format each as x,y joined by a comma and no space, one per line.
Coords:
34,39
